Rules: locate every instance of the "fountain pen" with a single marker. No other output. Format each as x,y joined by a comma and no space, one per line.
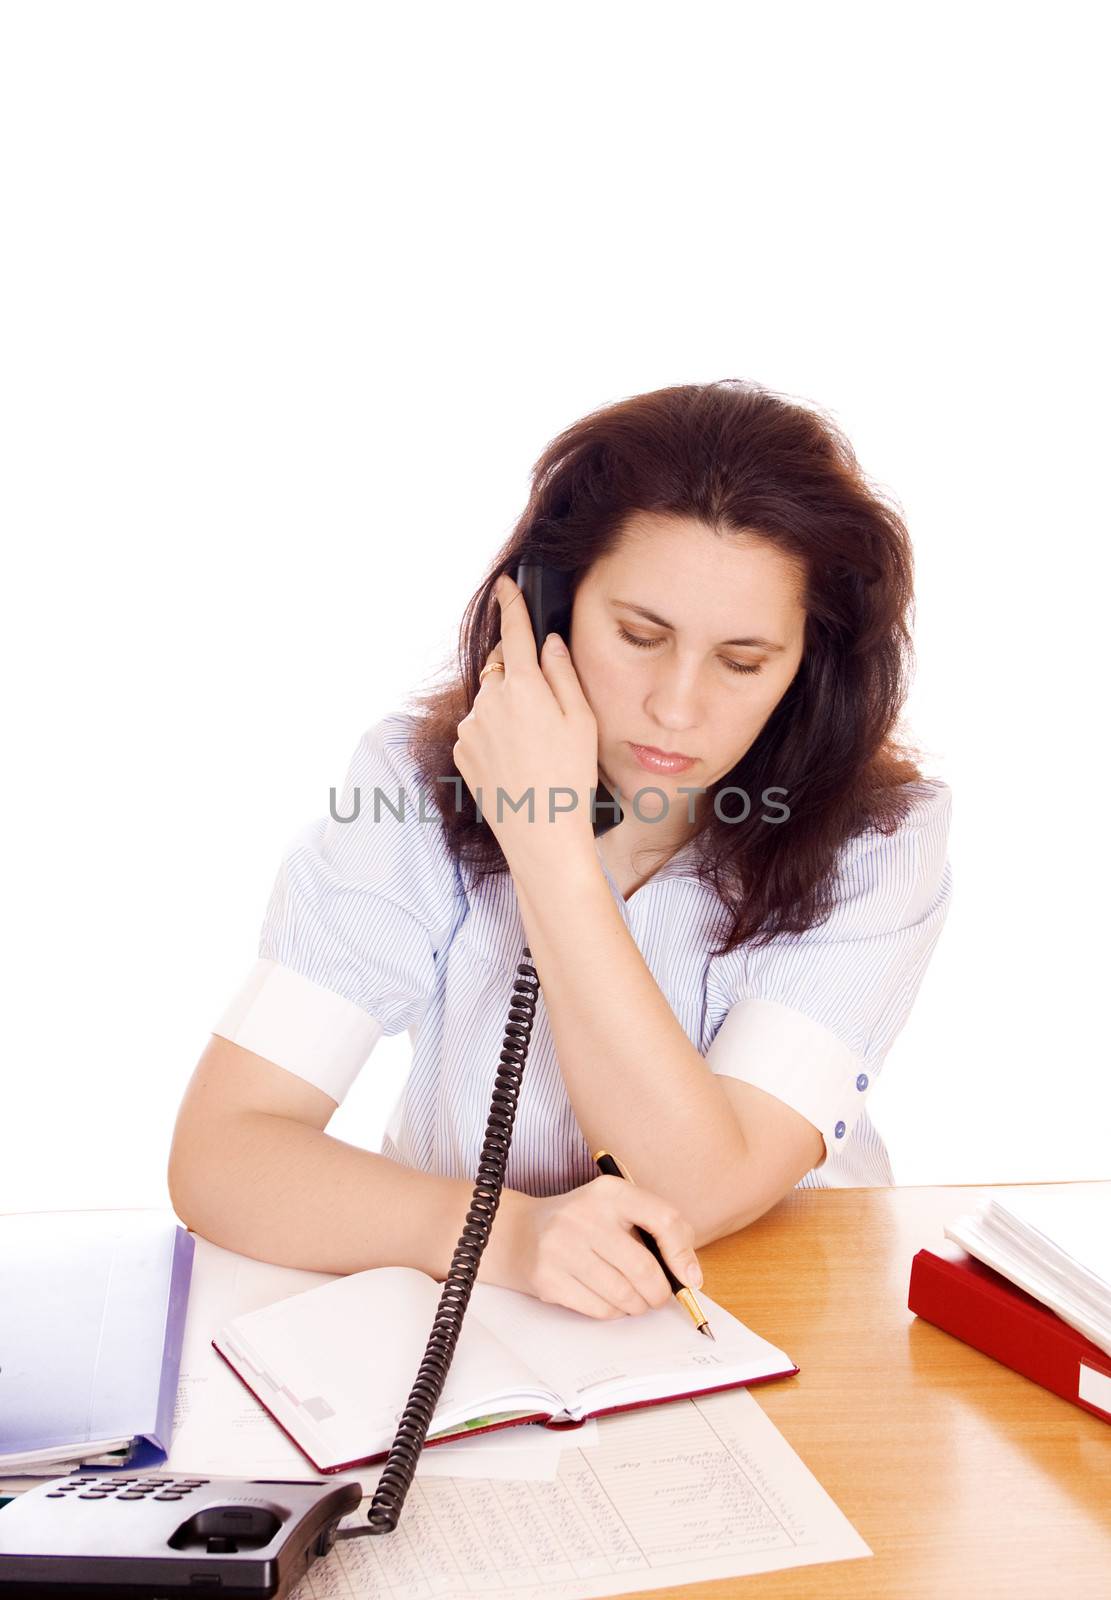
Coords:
609,1164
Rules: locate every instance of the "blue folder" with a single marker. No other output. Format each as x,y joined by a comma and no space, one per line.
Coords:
92,1315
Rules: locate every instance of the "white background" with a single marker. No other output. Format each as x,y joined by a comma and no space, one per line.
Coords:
295,295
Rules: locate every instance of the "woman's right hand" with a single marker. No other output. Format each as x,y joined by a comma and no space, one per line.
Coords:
578,1249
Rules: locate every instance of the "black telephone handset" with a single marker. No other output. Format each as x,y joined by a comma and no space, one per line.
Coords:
548,595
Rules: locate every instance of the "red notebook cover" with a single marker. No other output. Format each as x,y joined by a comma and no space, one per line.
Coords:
961,1295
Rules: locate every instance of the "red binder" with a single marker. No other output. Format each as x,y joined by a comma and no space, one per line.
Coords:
956,1292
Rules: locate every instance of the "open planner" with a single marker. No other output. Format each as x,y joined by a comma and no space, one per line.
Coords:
334,1365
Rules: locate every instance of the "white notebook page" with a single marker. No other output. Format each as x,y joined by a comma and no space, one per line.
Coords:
591,1362
336,1365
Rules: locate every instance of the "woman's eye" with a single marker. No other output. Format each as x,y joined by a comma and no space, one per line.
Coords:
650,644
632,638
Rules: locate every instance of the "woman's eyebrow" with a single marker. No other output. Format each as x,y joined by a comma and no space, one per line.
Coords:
650,616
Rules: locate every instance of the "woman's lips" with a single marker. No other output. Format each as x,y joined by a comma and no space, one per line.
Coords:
653,761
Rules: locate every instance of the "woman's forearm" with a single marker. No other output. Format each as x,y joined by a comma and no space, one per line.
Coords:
638,1085
277,1190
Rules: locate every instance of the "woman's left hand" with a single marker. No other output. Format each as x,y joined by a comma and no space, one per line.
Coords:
530,732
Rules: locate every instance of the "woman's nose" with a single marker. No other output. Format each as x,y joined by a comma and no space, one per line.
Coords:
674,697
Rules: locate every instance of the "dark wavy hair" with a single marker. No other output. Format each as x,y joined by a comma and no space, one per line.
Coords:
738,458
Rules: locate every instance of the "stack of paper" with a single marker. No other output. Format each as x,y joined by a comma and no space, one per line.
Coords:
1056,1246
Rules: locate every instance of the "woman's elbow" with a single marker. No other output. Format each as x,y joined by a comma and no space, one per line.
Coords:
185,1176
760,1183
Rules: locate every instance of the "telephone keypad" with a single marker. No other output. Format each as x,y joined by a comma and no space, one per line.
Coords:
129,1488
171,1546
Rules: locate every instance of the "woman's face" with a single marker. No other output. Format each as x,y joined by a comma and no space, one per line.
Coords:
689,688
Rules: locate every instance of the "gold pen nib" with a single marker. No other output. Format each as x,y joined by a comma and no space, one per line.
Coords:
686,1299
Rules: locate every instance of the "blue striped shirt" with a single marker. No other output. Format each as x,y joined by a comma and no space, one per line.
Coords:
372,927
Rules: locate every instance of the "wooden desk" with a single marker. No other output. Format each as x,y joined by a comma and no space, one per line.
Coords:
965,1479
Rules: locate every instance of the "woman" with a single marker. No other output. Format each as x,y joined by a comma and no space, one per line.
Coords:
722,974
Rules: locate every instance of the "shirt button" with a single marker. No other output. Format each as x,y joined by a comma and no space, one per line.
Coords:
839,1131
862,1081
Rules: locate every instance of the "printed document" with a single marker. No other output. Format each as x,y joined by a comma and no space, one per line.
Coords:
671,1495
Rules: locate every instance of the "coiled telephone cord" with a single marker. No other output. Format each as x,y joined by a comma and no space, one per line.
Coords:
412,1429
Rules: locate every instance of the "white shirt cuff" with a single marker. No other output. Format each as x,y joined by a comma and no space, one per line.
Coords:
301,1026
799,1061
